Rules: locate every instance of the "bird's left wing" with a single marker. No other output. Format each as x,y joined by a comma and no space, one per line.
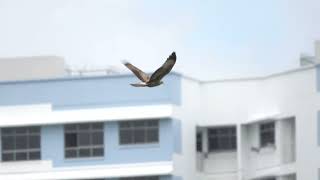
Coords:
165,68
140,74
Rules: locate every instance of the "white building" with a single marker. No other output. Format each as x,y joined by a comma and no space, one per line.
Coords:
99,127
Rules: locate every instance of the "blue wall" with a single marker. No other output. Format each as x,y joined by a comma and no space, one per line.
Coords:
89,92
52,147
177,129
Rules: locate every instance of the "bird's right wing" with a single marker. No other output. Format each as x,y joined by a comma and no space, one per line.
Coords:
165,68
136,71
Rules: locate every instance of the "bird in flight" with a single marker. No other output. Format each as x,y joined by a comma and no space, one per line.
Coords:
155,78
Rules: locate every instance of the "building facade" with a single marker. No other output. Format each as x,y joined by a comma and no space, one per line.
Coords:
99,127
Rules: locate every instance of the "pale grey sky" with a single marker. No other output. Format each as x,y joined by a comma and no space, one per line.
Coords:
213,39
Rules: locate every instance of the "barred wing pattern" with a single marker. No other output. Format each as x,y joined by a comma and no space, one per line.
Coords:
140,74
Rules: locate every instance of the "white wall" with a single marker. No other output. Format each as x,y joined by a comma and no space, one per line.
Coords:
290,94
220,162
189,113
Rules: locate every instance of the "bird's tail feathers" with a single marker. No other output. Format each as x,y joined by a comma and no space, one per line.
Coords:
139,85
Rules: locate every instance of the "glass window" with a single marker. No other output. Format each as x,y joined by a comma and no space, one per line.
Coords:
84,140
199,142
267,134
139,132
221,139
22,143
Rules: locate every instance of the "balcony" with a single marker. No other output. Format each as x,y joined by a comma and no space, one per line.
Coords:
263,149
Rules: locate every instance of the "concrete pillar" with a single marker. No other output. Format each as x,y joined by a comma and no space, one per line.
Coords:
205,146
239,151
317,50
279,140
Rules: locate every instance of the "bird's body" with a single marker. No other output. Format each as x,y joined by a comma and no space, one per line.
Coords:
155,78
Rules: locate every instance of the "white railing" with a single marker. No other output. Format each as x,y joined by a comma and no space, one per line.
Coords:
92,72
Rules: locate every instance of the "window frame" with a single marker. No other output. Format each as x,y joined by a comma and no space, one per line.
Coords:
231,135
199,142
29,133
76,131
131,128
267,134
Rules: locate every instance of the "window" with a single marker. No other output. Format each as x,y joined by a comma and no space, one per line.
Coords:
199,142
141,178
221,139
84,140
22,143
267,134
139,132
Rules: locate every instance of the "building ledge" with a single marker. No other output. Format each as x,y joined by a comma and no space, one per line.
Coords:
280,170
98,171
44,115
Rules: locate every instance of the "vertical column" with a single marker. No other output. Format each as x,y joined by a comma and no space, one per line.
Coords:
279,130
205,146
239,151
317,50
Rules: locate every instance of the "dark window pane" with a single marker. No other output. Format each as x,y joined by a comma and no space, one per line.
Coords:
153,123
97,138
84,139
84,126
97,152
34,129
138,124
7,131
224,143
70,127
97,126
7,157
7,142
34,142
21,130
126,137
233,143
70,153
125,124
84,152
267,134
21,142
71,140
213,144
212,132
21,156
34,155
136,132
223,138
199,142
152,135
139,136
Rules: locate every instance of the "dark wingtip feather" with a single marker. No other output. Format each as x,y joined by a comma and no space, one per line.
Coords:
173,55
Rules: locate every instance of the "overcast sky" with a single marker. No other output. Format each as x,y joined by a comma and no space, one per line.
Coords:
213,39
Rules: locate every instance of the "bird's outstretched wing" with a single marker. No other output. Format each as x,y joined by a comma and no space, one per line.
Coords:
136,71
165,68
